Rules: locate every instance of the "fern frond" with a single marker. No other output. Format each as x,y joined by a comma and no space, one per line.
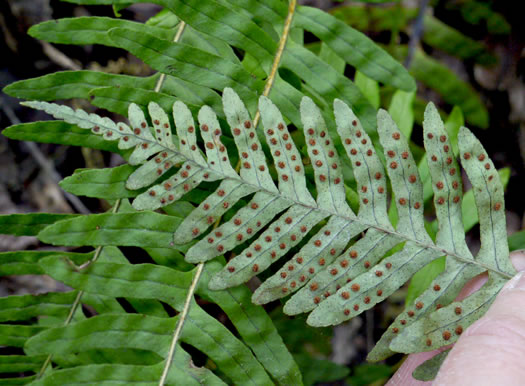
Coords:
337,278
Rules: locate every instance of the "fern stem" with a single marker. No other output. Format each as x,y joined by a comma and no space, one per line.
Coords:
162,78
180,323
277,58
78,298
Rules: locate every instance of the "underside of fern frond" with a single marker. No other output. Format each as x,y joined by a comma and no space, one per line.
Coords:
338,263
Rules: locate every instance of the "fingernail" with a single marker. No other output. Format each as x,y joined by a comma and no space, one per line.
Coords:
517,282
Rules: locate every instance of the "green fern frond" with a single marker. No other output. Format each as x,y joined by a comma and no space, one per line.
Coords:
336,276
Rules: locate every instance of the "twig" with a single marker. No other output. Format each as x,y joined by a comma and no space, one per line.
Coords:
180,323
417,32
278,55
58,57
200,266
180,31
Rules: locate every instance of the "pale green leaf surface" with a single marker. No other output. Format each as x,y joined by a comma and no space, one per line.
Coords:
213,207
268,247
288,160
446,183
186,179
447,186
356,260
469,210
442,291
185,127
161,125
127,137
488,192
244,225
367,167
320,250
323,155
362,292
216,152
247,142
452,124
401,169
335,283
445,325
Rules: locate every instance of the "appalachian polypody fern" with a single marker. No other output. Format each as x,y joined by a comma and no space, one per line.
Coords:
335,276
304,219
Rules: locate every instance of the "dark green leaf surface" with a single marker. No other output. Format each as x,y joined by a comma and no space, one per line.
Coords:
26,262
90,30
160,283
145,229
182,371
29,224
59,132
357,49
187,62
427,371
72,84
109,183
24,307
453,90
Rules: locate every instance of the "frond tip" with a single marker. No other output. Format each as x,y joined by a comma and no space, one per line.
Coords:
336,273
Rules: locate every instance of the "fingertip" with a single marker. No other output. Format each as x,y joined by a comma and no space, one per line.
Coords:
403,376
518,260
